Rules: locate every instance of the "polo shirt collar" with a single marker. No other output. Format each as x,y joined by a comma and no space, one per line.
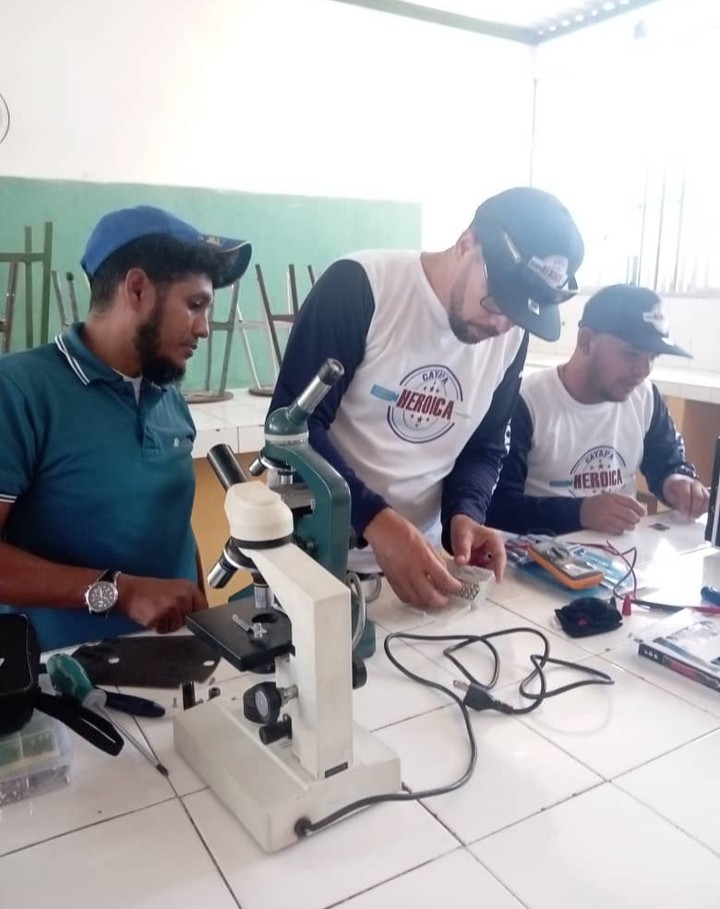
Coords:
83,362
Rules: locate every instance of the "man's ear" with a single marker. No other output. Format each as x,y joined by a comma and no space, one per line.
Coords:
585,339
465,243
137,287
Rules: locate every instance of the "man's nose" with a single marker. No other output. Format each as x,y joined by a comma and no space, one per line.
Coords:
201,325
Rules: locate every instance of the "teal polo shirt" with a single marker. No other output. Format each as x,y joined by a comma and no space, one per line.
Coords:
96,478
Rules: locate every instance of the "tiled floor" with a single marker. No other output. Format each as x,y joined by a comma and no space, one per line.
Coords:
603,798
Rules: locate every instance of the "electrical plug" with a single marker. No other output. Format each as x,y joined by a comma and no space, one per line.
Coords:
479,698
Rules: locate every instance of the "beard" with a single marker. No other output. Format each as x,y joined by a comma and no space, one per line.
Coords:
465,331
153,365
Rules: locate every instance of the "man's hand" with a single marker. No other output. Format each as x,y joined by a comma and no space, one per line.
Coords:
413,570
158,603
475,544
686,495
610,512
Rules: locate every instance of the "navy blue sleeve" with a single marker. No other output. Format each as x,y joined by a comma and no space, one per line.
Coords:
664,449
332,322
512,510
468,487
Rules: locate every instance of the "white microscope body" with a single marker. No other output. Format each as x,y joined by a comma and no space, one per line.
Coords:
328,762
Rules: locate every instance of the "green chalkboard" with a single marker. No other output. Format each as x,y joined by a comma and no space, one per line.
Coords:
282,229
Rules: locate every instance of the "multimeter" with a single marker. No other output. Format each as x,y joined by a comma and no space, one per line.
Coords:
565,567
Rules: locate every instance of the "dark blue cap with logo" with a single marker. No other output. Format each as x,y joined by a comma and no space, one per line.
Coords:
635,315
532,250
119,228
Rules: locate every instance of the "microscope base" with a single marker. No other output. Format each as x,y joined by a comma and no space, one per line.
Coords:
264,786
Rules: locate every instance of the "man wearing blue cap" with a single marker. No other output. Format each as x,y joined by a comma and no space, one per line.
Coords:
433,344
581,432
96,475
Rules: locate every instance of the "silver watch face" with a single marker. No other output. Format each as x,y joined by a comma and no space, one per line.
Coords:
101,597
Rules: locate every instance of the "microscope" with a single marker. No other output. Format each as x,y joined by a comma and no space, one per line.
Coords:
289,753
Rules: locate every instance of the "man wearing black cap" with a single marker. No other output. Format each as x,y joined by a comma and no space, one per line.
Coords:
581,432
432,345
96,476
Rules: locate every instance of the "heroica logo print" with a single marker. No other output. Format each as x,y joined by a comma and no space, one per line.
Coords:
425,406
553,270
657,318
600,469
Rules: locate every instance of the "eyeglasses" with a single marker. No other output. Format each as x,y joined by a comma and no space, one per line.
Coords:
487,302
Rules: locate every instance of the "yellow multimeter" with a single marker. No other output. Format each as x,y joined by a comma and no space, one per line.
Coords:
566,568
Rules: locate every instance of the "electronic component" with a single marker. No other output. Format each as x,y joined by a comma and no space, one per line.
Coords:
567,568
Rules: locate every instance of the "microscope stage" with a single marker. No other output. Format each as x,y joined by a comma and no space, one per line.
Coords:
217,628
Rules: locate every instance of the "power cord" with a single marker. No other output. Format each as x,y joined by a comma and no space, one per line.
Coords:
477,694
477,697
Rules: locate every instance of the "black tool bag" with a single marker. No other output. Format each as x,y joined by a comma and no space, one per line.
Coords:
19,671
20,693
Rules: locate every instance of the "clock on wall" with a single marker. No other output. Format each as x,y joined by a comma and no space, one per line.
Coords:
4,118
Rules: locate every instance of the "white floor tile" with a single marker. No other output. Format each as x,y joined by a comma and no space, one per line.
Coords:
678,581
657,537
541,610
389,696
392,615
457,881
602,850
514,649
518,773
614,729
347,858
152,858
693,692
101,786
682,786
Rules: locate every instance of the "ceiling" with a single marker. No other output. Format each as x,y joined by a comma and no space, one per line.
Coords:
528,21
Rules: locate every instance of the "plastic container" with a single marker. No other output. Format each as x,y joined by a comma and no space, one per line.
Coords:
34,760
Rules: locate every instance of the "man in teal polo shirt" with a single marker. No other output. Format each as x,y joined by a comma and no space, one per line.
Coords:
96,475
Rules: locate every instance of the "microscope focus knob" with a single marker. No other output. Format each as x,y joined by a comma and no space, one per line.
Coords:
273,732
268,701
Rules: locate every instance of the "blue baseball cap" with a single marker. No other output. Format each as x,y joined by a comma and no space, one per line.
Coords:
118,228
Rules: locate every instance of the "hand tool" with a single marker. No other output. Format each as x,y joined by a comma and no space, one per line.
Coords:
70,679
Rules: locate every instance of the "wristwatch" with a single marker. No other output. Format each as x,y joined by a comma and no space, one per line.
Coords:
102,595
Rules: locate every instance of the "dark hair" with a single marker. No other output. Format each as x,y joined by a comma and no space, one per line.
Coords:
164,259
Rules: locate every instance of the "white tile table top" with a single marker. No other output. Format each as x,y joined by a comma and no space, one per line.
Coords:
151,858
602,850
604,797
238,422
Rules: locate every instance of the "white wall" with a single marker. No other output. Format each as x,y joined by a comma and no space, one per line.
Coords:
309,97
585,143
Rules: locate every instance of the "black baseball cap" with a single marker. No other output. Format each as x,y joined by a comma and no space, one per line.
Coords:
633,314
118,228
532,250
